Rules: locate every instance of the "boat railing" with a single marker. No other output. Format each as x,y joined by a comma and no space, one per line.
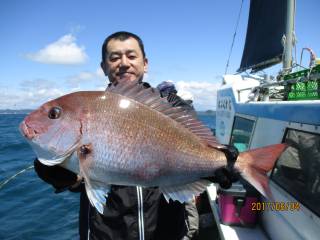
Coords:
299,85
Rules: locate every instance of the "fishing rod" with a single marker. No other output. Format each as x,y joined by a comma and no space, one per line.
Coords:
5,182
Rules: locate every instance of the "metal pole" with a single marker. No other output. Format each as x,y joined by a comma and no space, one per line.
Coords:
287,61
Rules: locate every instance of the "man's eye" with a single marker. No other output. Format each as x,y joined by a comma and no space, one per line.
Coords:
132,57
113,59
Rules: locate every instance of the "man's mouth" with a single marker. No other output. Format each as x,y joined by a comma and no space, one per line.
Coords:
122,74
125,75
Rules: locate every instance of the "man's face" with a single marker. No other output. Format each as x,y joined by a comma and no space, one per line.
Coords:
124,61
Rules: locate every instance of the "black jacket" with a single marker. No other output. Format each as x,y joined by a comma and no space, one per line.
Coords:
130,212
121,216
161,220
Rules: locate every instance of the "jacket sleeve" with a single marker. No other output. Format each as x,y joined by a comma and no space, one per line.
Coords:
60,178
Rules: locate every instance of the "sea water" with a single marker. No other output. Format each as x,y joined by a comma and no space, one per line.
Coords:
29,208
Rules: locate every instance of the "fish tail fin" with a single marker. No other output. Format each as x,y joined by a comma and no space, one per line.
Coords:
254,165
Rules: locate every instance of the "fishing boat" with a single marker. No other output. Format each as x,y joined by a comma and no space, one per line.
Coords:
256,110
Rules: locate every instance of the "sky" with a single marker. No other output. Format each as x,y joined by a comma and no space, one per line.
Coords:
51,48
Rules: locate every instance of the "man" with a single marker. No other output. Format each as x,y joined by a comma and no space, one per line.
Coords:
130,212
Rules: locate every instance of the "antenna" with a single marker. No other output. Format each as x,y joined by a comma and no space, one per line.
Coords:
234,36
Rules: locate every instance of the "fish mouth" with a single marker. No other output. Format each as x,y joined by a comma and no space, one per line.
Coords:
27,131
45,155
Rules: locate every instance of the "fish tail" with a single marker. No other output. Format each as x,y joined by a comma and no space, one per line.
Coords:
254,165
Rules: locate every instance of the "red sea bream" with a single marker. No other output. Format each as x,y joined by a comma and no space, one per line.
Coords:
128,135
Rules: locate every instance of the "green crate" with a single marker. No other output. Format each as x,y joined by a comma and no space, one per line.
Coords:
304,90
308,90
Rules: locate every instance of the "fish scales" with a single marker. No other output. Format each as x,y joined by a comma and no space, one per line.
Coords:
142,144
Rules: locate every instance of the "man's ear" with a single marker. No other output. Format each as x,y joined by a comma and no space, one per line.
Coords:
145,67
104,68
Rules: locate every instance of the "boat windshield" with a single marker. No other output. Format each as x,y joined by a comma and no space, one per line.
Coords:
298,168
241,133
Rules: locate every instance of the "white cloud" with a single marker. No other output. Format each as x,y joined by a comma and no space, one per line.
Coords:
100,73
33,93
204,94
87,80
82,77
28,100
64,51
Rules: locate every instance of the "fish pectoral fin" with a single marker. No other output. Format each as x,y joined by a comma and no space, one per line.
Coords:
184,193
97,193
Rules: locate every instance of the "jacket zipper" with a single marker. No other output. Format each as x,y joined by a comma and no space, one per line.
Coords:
140,213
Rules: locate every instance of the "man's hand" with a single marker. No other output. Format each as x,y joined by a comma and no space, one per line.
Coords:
223,177
60,178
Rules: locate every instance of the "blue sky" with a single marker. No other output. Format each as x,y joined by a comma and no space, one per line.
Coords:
50,48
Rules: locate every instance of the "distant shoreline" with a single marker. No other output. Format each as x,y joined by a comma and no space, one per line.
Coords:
15,111
208,112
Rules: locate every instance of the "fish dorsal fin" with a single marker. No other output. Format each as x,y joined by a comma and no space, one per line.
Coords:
151,97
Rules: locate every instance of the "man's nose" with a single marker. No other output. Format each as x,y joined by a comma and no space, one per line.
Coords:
124,61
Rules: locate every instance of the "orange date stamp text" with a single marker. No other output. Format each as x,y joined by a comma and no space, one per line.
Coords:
275,206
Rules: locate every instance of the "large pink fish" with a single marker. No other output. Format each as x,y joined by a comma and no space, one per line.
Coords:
128,135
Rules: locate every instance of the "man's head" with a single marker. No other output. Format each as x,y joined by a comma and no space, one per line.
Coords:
123,57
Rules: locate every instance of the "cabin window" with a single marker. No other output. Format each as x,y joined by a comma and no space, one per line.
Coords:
298,168
241,133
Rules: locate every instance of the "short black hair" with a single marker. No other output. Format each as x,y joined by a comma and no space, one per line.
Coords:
121,35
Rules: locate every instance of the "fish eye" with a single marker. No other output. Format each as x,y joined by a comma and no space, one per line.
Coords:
54,113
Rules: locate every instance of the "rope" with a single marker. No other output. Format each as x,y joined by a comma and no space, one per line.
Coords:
2,184
234,36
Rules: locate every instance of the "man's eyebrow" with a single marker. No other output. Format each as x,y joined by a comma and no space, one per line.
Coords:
121,52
